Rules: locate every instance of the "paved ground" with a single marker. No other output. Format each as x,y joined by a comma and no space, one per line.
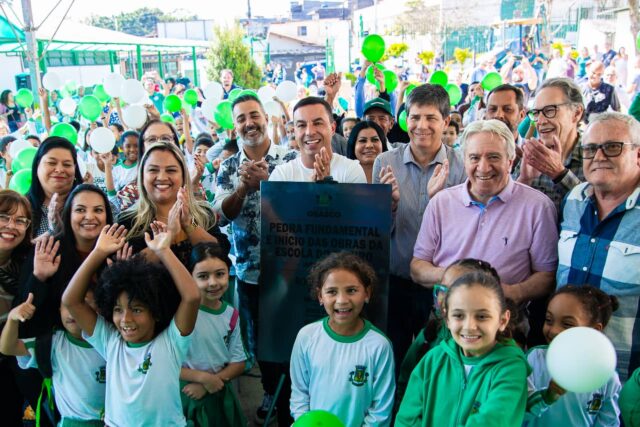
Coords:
250,394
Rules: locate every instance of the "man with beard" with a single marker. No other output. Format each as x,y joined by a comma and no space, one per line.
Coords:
506,103
237,200
553,162
226,79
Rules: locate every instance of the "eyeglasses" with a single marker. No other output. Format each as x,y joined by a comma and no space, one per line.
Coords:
162,139
549,111
609,149
20,222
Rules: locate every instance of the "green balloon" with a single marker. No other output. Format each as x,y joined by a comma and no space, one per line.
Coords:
344,104
439,78
455,95
24,159
402,120
65,130
638,40
318,418
100,93
373,47
24,98
371,76
390,80
223,115
172,103
234,94
90,107
21,181
248,92
191,97
491,81
167,118
408,90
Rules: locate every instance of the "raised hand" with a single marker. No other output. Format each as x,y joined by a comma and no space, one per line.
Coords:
46,261
53,212
183,209
111,239
438,179
161,237
196,391
547,160
527,172
322,165
387,177
24,311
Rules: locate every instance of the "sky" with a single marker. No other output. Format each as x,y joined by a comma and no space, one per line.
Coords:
205,9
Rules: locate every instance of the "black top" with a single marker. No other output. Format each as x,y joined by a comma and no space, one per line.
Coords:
181,249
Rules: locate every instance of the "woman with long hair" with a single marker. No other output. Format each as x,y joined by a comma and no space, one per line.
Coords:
164,187
10,111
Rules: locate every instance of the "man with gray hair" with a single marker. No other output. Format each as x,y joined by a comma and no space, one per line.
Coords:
552,163
600,231
492,218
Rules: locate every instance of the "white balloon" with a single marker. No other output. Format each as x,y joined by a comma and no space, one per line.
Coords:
272,108
102,140
68,106
209,108
132,91
581,359
134,116
113,84
17,146
82,166
266,94
52,81
287,91
214,91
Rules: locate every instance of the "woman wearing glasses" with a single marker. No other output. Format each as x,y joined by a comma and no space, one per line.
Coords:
15,232
164,181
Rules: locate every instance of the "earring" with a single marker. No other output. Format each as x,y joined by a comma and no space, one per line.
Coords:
366,301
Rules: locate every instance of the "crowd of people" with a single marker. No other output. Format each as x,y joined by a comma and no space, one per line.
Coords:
515,217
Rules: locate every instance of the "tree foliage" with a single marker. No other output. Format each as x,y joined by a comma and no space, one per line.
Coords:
140,22
417,19
396,50
228,51
427,57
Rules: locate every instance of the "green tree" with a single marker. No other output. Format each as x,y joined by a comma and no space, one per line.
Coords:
140,22
228,51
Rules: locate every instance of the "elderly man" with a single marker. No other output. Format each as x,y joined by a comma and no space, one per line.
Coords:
553,162
237,201
423,166
490,217
378,110
600,231
314,126
598,95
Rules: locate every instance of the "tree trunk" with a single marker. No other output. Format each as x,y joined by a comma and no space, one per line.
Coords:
634,19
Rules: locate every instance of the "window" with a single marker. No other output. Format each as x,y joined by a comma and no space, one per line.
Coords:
302,30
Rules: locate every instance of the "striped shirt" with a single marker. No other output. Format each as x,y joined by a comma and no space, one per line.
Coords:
412,179
606,254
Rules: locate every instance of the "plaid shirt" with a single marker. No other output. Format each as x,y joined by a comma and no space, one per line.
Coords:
575,176
246,226
606,254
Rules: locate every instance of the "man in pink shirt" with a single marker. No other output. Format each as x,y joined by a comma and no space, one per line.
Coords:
490,217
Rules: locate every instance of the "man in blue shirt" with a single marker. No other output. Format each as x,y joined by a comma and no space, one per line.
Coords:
600,231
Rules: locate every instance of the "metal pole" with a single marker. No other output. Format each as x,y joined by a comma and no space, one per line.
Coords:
139,61
31,41
160,70
111,60
195,65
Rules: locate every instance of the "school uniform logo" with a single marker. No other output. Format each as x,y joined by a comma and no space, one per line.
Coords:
475,408
101,375
594,405
359,377
145,365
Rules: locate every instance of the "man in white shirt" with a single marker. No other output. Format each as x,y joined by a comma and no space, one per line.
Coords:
313,126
